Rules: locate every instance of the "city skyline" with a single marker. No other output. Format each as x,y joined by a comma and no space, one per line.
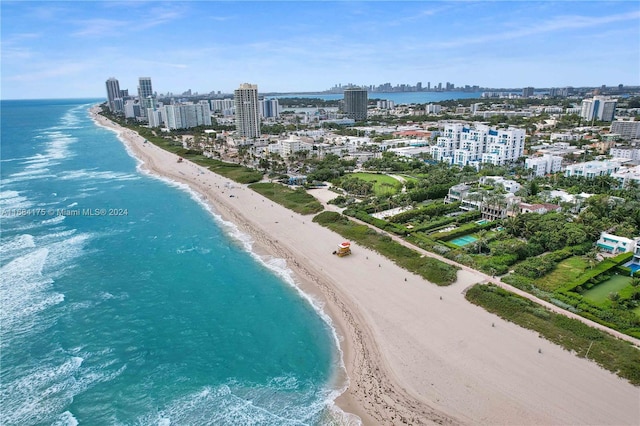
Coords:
69,49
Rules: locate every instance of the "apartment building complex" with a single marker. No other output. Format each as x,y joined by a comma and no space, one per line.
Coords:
462,145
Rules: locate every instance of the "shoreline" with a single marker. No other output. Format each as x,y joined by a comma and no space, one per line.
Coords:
413,352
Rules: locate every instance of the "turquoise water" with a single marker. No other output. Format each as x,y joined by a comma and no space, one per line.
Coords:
151,310
463,241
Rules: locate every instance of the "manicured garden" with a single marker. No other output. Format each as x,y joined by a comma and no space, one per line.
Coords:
382,184
601,292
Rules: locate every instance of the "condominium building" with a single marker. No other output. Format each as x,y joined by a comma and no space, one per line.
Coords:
628,176
632,154
355,103
186,116
247,111
145,95
462,145
114,100
543,165
591,169
600,108
626,129
270,108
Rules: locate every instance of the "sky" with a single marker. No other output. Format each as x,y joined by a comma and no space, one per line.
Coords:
69,49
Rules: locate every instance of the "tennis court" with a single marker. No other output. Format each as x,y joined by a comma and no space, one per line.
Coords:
463,241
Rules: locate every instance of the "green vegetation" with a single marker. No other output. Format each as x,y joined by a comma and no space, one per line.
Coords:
431,269
613,354
297,200
602,292
382,184
565,271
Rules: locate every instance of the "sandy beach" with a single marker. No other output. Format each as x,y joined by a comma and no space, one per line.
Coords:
415,353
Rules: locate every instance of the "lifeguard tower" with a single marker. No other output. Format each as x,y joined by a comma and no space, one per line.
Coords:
344,249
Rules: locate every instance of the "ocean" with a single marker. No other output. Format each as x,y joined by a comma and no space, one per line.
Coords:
126,301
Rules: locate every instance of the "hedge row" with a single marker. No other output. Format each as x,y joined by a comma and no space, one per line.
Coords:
378,223
469,228
600,268
431,210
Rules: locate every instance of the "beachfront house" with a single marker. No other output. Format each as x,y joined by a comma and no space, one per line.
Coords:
614,244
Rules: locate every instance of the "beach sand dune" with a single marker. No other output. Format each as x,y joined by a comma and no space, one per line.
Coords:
415,353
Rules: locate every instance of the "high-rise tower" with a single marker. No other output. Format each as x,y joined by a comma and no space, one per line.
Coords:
145,93
355,103
247,111
113,93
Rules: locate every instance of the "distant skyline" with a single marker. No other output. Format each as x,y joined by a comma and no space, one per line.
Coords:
69,49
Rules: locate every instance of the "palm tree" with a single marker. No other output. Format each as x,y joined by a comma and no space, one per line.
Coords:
481,240
591,257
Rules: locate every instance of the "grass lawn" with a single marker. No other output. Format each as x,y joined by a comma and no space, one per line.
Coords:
297,200
566,271
383,184
600,292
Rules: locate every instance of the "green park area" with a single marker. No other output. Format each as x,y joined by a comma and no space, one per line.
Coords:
382,184
565,271
603,291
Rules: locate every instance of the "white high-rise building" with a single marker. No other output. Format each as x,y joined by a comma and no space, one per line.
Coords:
600,108
247,111
186,116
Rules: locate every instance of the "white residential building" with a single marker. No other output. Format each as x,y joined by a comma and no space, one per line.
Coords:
591,169
544,165
509,185
186,116
632,154
626,175
247,111
600,108
614,244
464,146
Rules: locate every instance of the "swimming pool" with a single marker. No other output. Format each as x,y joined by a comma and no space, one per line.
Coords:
482,221
635,267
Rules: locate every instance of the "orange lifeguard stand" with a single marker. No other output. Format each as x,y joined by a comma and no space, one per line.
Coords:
344,249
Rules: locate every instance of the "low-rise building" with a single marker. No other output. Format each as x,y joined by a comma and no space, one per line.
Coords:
591,169
614,244
544,165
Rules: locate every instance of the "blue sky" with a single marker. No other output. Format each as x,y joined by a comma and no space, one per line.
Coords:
68,49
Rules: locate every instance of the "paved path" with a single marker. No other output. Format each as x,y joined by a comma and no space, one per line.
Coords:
494,280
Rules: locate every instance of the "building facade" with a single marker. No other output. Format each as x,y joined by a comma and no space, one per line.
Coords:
591,169
247,111
626,129
462,145
145,95
114,100
355,103
600,108
543,165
